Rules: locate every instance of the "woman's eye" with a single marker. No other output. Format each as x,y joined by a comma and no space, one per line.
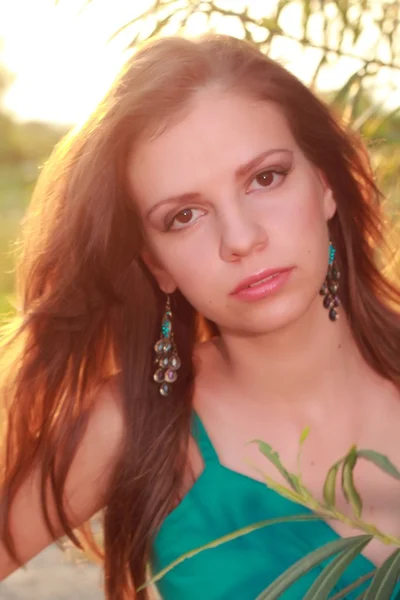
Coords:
184,217
268,179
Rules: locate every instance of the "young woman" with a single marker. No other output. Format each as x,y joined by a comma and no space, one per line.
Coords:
205,204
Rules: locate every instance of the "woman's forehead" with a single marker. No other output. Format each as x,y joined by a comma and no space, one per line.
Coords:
220,132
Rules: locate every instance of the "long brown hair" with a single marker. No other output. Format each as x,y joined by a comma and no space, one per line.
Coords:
90,309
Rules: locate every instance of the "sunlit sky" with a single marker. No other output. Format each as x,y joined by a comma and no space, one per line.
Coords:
62,63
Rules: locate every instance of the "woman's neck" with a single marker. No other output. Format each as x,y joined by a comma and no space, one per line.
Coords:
300,363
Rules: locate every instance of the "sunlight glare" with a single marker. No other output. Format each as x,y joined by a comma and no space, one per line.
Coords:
64,65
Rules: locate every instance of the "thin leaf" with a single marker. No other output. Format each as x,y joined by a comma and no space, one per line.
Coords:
227,538
329,490
356,32
357,27
371,111
381,461
305,18
344,92
274,458
304,435
303,566
319,66
349,489
374,130
343,594
343,7
247,33
151,11
144,15
271,25
354,100
329,577
134,41
385,578
160,26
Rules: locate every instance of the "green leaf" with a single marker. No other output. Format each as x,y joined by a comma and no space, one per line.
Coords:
343,6
303,566
343,594
227,538
375,126
381,461
274,458
329,577
304,435
271,25
329,490
344,92
297,478
385,578
152,11
349,489
357,26
306,17
357,29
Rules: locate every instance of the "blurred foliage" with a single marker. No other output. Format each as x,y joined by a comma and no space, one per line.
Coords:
26,142
6,77
333,28
364,33
323,32
23,149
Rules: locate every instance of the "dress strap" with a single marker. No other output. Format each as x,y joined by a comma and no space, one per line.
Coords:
203,441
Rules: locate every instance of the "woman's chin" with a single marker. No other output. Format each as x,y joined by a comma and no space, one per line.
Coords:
275,316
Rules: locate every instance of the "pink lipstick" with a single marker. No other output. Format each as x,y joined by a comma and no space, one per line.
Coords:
262,284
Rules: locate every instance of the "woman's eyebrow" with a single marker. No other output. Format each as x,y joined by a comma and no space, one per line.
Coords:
246,168
240,172
180,199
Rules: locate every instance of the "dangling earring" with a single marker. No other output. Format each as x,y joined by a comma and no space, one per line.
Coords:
167,358
331,285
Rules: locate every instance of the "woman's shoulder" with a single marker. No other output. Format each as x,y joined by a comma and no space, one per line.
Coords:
86,486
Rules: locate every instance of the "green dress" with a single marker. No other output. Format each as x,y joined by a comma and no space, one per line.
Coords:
220,502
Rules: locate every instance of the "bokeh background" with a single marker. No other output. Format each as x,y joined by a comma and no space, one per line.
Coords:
58,58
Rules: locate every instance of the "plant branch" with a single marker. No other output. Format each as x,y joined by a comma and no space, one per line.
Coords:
227,538
245,18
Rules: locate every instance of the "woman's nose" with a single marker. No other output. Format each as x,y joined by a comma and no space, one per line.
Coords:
241,234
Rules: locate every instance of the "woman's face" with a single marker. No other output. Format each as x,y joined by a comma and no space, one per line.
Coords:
226,195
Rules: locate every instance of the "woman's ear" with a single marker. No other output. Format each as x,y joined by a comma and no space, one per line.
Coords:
163,278
328,200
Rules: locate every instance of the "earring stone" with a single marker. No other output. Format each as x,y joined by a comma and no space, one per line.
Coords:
167,359
330,287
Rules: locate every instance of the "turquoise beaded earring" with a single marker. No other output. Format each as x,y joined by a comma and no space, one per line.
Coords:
330,286
167,359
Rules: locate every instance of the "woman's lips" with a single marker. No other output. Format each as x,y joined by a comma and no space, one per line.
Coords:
261,285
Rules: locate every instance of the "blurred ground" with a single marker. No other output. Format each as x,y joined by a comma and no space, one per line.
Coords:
50,576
